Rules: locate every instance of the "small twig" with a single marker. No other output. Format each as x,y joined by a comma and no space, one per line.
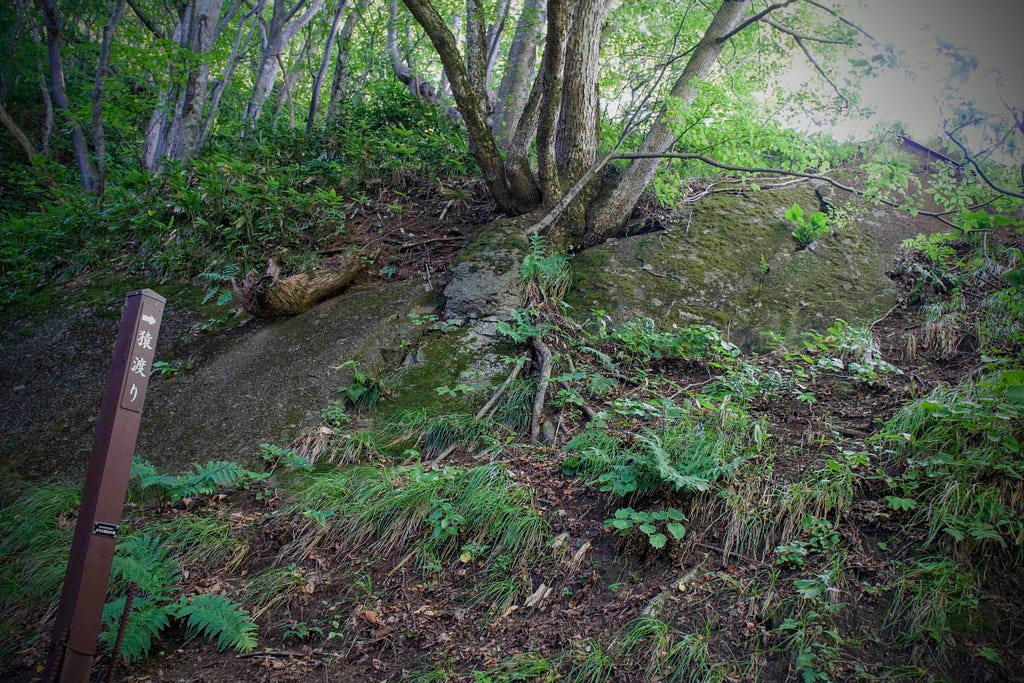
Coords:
544,357
276,653
405,246
444,454
501,390
886,315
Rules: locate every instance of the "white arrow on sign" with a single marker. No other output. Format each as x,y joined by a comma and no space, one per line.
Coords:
148,319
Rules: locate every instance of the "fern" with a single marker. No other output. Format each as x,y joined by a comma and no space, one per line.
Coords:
219,618
147,620
145,560
202,481
550,272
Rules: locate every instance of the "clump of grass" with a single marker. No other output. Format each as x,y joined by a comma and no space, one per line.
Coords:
436,512
35,538
959,454
691,450
931,596
271,587
441,433
516,404
205,540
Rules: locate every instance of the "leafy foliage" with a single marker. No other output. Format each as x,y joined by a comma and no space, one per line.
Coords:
201,481
808,227
959,449
218,618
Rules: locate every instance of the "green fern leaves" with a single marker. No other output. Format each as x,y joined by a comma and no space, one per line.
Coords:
146,562
219,619
201,481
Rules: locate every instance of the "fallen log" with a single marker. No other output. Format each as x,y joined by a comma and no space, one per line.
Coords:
269,294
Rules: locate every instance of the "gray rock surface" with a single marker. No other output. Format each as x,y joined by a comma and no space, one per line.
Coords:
261,382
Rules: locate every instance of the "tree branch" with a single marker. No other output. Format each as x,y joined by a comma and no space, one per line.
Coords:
756,18
981,173
815,39
840,17
780,171
146,21
821,71
17,132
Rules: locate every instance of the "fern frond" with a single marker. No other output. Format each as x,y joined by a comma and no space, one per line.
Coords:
147,620
208,478
146,561
218,617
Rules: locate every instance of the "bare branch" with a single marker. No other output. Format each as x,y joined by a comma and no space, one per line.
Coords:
756,18
814,39
821,71
981,173
781,171
856,27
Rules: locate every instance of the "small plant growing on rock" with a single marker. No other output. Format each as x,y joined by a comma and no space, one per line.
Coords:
807,228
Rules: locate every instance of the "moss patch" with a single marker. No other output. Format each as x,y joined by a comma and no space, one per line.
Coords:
733,263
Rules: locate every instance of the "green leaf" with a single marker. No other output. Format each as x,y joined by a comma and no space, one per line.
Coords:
658,540
677,530
897,503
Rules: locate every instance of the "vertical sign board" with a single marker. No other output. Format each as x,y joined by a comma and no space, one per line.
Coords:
77,625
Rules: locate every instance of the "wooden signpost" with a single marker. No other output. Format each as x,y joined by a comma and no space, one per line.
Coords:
77,625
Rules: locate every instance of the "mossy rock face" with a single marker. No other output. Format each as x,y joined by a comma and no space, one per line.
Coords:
485,279
733,263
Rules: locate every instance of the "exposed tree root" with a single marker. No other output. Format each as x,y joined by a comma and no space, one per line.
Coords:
544,358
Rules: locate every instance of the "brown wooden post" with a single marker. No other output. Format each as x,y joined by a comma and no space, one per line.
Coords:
77,625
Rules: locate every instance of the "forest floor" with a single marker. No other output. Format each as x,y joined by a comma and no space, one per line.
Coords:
799,553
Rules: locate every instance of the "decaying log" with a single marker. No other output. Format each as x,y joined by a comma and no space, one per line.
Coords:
267,295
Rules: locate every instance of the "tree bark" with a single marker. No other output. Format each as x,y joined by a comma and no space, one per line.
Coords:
576,143
472,106
553,70
99,139
270,295
54,33
610,212
519,71
318,81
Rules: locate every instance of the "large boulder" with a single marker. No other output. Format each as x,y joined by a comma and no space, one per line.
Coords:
731,261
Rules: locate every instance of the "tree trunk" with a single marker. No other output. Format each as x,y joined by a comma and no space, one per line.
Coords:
610,211
284,26
553,70
270,295
99,139
288,81
17,132
576,143
318,82
340,79
229,71
519,67
472,106
51,19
